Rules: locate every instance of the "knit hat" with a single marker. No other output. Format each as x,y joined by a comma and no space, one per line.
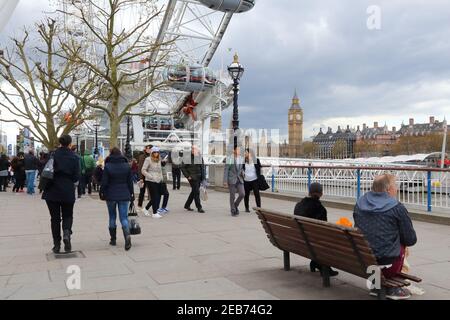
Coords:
154,149
315,187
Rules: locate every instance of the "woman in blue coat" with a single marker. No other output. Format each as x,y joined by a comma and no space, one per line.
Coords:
59,193
117,189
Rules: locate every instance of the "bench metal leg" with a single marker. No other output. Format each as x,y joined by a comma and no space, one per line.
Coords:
326,276
287,261
381,293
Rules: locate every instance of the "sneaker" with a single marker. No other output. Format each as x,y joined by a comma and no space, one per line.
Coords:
165,210
397,294
160,211
201,210
146,213
156,216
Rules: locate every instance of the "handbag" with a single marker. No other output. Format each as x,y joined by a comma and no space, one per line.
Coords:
262,183
49,168
133,222
203,192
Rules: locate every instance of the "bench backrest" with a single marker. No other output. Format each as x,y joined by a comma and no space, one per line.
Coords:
326,243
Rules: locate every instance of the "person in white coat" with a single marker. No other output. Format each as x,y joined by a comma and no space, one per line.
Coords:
152,170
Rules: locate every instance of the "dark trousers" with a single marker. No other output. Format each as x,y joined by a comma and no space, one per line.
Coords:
176,178
194,195
165,195
3,183
142,194
20,182
250,186
155,194
60,211
85,181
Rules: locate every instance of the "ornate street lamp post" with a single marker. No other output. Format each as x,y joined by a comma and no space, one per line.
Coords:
96,126
236,70
128,153
77,135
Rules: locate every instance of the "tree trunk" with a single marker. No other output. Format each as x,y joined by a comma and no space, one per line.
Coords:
115,127
114,122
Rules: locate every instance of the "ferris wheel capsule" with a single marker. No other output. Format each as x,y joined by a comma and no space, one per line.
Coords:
235,6
193,78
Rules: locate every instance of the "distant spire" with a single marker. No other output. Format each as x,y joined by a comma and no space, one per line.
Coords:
295,101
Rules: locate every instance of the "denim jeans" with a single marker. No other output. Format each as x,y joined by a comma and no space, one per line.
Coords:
123,213
31,176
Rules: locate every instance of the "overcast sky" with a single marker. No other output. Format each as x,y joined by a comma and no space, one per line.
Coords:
344,73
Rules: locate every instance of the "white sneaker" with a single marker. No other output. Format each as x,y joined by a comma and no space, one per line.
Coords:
146,213
156,216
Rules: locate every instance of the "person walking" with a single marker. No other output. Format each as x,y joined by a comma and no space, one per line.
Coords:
135,170
97,175
311,207
142,184
18,166
233,178
31,163
194,171
117,189
4,167
59,193
164,190
176,173
87,169
152,171
252,173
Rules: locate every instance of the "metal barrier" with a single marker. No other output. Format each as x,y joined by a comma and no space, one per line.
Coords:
425,188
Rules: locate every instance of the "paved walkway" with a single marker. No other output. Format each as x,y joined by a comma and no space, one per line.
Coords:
185,255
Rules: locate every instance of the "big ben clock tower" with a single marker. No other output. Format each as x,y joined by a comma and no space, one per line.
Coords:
295,124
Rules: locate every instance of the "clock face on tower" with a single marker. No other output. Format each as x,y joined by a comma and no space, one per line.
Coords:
299,117
291,117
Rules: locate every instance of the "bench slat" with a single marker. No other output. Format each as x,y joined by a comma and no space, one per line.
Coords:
410,277
341,241
323,257
335,234
332,245
323,245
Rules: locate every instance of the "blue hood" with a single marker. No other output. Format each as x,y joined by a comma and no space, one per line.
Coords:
376,202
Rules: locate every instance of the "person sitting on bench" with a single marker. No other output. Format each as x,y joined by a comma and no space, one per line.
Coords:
311,207
385,223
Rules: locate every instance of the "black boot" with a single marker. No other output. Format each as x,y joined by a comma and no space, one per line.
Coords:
56,246
112,233
331,272
126,235
313,266
66,240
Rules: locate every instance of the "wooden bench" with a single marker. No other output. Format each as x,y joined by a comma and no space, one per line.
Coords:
328,244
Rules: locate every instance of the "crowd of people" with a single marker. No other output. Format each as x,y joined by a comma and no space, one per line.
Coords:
22,171
76,173
378,214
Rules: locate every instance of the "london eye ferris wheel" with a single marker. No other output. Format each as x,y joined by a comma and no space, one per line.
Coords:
195,30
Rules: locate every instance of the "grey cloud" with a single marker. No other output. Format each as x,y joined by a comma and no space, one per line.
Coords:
340,68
